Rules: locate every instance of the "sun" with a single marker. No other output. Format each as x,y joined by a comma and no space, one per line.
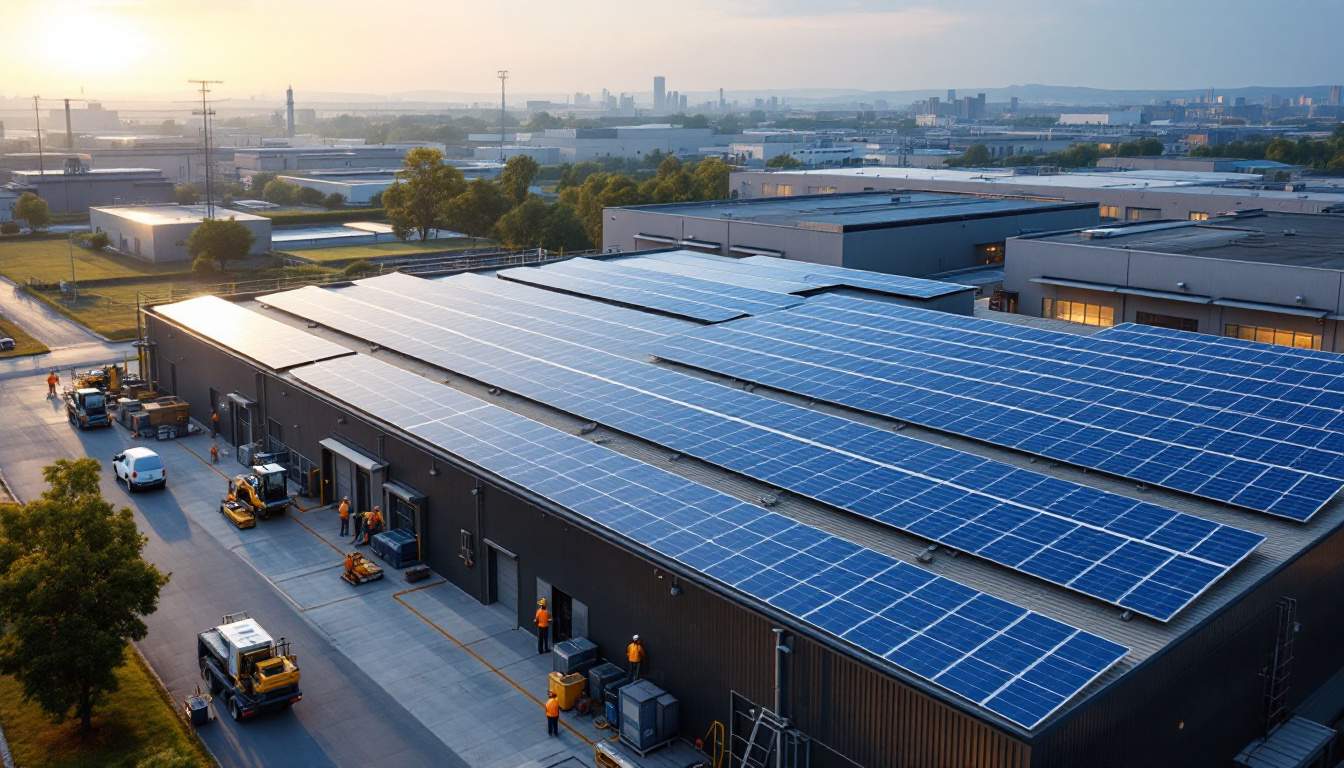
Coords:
95,42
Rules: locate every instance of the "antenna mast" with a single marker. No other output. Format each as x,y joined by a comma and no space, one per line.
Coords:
503,75
206,113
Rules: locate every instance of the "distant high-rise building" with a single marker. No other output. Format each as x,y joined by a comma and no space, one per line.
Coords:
1335,95
722,104
289,111
951,95
684,101
1012,105
659,93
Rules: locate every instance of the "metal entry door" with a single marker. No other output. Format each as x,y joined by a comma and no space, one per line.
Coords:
504,571
344,484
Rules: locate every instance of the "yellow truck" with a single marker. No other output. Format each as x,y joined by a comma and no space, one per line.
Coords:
247,670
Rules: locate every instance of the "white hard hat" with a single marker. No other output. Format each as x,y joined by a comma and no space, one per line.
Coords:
635,638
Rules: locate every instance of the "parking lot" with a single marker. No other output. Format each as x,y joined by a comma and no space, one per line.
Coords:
393,673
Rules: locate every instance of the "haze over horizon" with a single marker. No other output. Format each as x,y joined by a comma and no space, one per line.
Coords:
147,48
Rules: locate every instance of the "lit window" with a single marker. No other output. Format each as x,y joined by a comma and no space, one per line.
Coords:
1279,336
1078,312
785,190
1109,211
768,190
1143,214
1199,215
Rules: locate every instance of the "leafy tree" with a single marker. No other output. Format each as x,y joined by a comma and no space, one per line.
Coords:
695,121
669,166
517,177
975,155
711,179
74,587
476,211
9,228
280,192
524,226
99,240
541,121
416,202
563,230
223,240
334,201
186,194
310,196
259,181
376,200
784,161
203,266
33,211
359,267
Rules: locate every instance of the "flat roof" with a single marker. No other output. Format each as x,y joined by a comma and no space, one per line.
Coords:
173,214
1139,179
1291,239
857,210
89,172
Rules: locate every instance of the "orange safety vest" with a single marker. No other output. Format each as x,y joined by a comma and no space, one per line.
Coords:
349,563
214,418
52,379
552,707
634,653
343,511
543,618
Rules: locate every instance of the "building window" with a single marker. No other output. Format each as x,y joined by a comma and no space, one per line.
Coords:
827,189
768,190
1199,215
989,253
1267,335
1078,312
1109,211
784,190
1143,214
1167,321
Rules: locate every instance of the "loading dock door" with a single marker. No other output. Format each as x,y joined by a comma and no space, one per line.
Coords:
504,582
343,471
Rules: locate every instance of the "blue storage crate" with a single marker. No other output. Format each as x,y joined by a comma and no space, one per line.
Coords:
396,547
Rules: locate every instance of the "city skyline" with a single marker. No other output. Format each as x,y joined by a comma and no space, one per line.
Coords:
147,48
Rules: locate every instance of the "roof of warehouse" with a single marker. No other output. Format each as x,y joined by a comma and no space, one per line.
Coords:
858,210
1145,638
173,214
1294,239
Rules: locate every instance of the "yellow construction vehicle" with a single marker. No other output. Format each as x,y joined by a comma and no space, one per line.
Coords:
262,492
245,668
238,514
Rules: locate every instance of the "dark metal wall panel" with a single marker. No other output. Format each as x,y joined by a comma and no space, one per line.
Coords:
1202,700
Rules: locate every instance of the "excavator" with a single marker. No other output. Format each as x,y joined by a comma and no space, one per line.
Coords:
256,494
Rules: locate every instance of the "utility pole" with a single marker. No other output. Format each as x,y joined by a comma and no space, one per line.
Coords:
503,75
206,112
37,118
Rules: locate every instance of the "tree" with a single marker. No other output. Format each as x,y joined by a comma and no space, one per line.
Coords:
975,155
258,181
711,179
417,200
523,227
517,177
74,587
9,228
334,201
32,210
476,211
541,121
99,240
223,240
562,230
310,196
186,194
280,192
376,200
784,161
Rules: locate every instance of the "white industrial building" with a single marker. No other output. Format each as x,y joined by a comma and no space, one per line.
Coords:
1122,117
626,141
158,233
542,155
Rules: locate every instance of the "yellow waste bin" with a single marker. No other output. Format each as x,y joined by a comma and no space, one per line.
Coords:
568,688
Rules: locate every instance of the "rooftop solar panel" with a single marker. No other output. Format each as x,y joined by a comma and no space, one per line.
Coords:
1245,350
631,297
267,341
751,300
1146,558
1004,658
880,282
706,270
905,364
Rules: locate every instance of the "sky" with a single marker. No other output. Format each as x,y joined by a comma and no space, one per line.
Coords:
127,48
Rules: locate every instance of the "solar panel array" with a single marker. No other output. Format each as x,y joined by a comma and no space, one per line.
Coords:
685,263
879,282
1140,556
1328,365
962,375
1011,661
673,294
267,341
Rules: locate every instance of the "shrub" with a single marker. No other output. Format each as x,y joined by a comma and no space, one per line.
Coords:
99,240
204,266
9,228
360,267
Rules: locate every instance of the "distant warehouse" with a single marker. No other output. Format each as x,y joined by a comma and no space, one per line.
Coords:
158,233
917,234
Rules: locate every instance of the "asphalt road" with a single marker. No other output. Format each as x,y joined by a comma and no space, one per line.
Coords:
48,325
344,718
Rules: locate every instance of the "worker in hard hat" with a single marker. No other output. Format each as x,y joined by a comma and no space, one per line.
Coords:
552,715
52,381
350,563
373,524
543,622
343,511
634,653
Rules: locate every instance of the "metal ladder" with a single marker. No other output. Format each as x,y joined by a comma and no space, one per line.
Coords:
1279,668
766,732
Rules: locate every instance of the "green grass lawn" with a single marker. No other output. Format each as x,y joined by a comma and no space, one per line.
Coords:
391,249
48,260
24,344
135,722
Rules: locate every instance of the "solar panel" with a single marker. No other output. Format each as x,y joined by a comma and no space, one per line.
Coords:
631,297
750,300
269,342
977,385
706,270
1139,556
1017,663
880,282
1227,347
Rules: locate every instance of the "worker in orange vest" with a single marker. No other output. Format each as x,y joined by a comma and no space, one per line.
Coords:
634,653
373,524
552,715
52,381
349,562
543,622
214,424
214,453
344,512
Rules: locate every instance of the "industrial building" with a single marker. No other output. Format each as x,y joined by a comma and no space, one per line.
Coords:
280,159
576,145
75,188
1197,165
1138,195
1276,278
917,234
360,186
705,459
158,233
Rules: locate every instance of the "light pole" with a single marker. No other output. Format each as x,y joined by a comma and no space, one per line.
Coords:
503,75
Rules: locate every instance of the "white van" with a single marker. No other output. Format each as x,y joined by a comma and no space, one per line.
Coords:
139,468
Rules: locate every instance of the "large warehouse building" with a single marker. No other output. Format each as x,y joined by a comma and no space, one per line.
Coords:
918,234
904,491
1277,278
158,233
